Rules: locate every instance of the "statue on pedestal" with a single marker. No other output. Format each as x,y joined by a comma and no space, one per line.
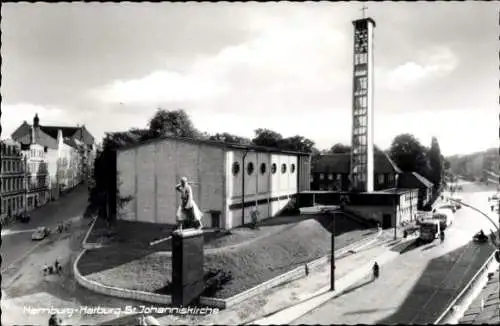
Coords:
188,213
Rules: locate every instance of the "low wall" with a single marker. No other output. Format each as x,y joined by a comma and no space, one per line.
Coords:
294,274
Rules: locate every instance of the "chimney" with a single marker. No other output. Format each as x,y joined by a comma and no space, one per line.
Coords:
36,121
59,137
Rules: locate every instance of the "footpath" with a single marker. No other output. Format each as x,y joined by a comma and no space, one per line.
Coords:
485,309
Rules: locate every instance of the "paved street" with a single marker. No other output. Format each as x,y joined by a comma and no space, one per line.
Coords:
417,286
16,239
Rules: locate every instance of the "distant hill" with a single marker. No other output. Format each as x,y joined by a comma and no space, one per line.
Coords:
472,165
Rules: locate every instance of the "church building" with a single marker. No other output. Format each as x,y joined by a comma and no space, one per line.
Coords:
229,181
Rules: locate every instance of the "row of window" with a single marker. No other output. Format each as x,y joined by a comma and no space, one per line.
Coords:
11,166
12,184
38,167
14,204
38,182
9,150
263,168
37,152
338,177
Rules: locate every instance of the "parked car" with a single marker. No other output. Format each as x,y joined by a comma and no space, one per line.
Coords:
23,218
451,207
40,233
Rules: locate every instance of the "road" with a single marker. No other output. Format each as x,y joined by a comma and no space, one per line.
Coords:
417,286
16,239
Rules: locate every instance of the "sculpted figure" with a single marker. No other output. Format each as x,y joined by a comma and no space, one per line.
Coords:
188,213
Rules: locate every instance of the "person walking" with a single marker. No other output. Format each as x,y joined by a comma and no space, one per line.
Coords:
376,270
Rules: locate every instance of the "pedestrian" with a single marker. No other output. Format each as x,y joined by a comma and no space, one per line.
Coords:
376,270
442,236
405,234
54,321
57,267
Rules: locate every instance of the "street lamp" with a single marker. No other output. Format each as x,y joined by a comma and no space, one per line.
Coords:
332,253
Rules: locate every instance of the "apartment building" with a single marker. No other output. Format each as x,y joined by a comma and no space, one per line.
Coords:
69,152
12,175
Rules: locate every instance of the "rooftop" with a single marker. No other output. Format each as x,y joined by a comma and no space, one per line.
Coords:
341,163
215,144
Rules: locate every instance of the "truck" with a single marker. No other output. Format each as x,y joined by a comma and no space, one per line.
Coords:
430,230
444,216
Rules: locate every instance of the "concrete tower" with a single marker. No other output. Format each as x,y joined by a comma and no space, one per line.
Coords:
362,107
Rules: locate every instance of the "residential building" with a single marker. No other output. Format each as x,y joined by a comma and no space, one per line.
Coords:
70,152
37,175
228,181
12,175
415,180
332,172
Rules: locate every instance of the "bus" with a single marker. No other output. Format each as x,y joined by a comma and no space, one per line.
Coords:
445,216
430,229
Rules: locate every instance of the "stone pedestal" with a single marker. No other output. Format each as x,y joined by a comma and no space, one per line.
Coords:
187,266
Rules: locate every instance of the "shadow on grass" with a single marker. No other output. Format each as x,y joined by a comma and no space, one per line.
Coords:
440,283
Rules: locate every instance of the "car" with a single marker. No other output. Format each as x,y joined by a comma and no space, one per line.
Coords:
451,207
494,197
23,218
40,233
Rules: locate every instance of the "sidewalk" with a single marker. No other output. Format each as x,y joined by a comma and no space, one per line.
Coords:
283,296
485,309
351,270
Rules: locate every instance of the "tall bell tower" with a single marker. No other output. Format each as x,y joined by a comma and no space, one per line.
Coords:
362,160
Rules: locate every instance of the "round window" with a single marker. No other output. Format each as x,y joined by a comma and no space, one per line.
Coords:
292,168
283,168
236,168
273,168
250,168
262,168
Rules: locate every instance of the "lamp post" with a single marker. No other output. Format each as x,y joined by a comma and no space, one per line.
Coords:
332,254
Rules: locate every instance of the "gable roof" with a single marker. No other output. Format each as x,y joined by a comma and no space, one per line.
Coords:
413,179
53,130
47,135
341,163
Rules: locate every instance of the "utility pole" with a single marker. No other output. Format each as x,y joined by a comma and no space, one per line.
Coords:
332,254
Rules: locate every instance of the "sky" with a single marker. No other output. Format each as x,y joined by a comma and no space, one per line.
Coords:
236,67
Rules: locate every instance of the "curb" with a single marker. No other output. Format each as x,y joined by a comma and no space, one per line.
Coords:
294,274
87,245
450,312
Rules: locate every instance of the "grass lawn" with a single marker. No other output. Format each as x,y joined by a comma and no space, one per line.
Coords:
140,234
300,240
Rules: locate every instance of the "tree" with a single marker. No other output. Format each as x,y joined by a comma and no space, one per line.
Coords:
230,138
436,163
172,123
340,149
267,138
298,144
409,154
